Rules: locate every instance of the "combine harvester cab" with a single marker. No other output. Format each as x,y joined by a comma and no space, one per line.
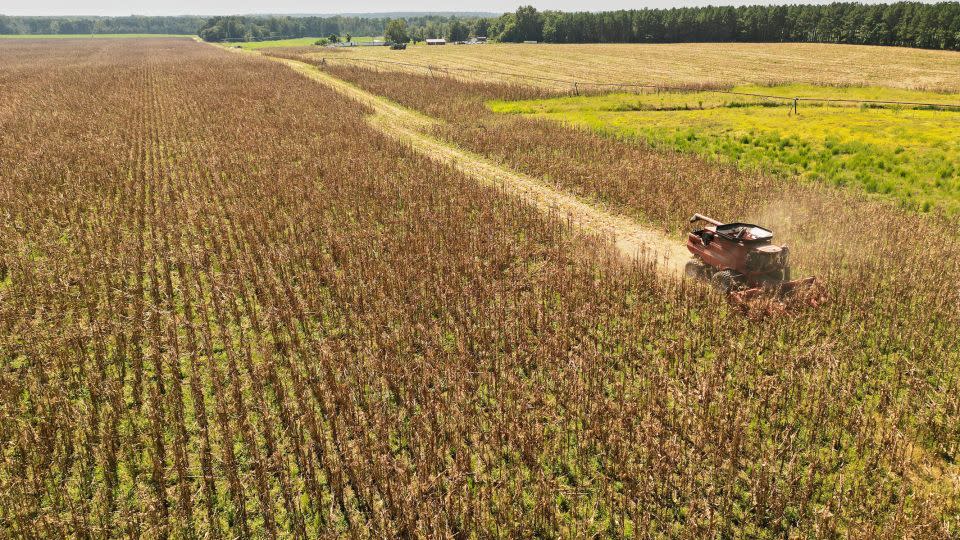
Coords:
740,259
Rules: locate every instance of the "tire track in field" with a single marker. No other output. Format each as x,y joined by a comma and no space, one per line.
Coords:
633,239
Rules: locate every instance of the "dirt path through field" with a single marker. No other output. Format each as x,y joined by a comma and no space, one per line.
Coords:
632,239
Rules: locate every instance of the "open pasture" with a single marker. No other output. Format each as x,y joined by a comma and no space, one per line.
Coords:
688,64
906,154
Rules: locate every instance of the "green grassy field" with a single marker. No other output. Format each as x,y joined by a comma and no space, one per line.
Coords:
77,36
908,154
294,42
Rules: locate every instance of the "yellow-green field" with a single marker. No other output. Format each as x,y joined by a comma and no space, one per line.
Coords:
742,95
912,155
690,63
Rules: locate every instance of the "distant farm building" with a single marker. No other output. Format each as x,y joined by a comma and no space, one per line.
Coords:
440,41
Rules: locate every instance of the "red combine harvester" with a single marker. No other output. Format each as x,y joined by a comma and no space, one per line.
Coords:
740,258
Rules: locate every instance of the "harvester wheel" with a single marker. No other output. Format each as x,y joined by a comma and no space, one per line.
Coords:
726,280
695,269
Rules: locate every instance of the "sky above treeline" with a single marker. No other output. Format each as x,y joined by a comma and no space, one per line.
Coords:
238,7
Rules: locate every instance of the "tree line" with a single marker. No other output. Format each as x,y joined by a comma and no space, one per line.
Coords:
134,24
240,28
905,24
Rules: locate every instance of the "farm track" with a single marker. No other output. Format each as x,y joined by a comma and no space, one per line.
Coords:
632,239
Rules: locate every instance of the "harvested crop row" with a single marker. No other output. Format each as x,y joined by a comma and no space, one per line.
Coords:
221,317
686,64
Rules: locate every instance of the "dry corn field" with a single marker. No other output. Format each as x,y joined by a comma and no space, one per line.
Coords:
230,307
683,64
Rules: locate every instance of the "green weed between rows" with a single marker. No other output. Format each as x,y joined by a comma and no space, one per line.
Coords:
911,155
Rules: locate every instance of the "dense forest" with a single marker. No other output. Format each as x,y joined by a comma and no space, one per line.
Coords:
906,24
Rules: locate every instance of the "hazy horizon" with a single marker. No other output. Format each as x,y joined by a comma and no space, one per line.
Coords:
301,7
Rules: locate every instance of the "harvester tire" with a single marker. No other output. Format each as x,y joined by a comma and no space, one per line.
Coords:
726,281
694,269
